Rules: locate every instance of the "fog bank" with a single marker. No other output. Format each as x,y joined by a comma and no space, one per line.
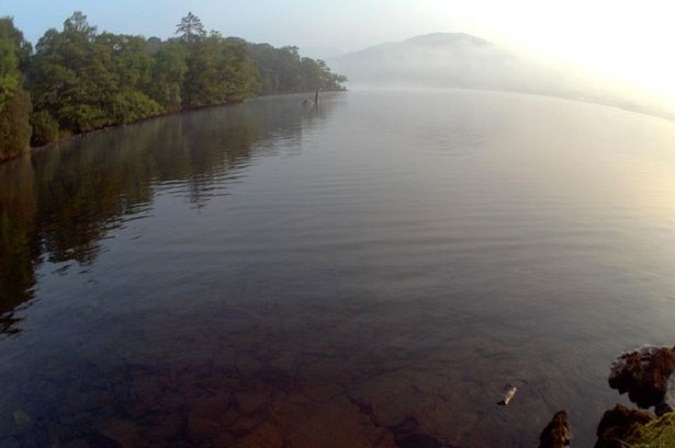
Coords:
456,60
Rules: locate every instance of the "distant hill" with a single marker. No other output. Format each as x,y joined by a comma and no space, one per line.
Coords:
442,60
458,60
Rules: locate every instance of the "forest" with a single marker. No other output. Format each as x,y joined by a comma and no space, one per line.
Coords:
78,80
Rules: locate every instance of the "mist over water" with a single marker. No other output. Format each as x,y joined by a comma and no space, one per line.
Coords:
464,61
387,255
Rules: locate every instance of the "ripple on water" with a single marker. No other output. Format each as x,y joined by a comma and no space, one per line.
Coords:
386,266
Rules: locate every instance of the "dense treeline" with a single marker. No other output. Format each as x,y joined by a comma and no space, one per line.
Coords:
15,104
283,70
77,80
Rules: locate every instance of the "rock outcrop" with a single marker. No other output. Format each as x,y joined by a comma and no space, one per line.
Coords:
619,424
557,433
645,374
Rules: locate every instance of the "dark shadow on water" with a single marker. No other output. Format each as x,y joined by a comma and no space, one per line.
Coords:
18,252
58,205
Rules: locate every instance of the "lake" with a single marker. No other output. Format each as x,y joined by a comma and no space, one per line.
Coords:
371,271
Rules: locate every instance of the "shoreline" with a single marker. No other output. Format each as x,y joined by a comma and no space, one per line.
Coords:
37,149
75,137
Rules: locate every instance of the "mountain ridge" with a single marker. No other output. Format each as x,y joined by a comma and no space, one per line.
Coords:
461,60
446,37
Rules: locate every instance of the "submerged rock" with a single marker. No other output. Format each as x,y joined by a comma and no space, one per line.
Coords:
266,435
645,374
22,420
619,424
407,434
419,441
557,433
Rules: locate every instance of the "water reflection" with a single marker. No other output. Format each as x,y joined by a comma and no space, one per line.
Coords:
18,252
60,204
385,271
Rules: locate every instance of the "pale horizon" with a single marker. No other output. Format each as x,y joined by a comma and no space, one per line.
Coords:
625,42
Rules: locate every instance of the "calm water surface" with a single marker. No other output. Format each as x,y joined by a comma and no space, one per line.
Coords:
276,272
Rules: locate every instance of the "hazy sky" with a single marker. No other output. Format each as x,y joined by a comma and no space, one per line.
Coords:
630,40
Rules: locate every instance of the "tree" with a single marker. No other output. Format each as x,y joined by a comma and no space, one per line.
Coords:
219,69
131,68
15,102
153,45
10,76
168,72
283,70
15,128
200,85
190,29
77,26
23,49
240,71
15,52
68,78
83,81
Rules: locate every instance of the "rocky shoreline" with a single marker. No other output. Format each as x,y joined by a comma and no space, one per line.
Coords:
646,375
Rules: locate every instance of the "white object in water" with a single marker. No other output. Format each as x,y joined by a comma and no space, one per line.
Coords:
508,396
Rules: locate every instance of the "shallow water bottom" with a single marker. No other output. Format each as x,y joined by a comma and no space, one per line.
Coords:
272,375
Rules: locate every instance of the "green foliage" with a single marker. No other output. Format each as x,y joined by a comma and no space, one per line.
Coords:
83,117
88,81
15,102
657,434
15,129
45,128
240,70
131,105
168,72
10,76
126,59
218,69
68,78
202,85
22,48
81,80
283,70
